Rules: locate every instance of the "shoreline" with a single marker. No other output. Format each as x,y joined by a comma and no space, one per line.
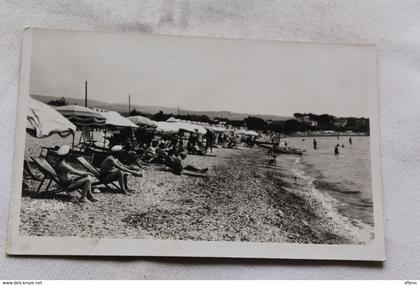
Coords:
242,199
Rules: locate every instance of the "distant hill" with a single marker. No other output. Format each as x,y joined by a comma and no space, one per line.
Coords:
123,108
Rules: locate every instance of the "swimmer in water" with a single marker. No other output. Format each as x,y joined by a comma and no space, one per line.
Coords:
336,152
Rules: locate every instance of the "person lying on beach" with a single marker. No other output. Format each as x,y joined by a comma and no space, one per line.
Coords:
113,170
71,177
175,165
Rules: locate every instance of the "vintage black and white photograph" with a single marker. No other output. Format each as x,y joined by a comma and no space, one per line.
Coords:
189,146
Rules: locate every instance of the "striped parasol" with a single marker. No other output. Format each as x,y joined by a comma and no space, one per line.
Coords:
82,116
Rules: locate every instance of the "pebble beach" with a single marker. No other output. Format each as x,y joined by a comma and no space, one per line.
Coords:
241,198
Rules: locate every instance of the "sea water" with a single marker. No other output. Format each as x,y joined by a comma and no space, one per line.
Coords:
342,181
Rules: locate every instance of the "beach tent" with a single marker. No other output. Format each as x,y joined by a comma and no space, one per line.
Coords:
140,120
114,119
43,121
82,116
172,120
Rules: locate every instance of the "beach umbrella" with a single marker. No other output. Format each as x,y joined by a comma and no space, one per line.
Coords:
200,129
172,120
251,133
82,116
140,120
191,127
116,120
166,127
217,129
240,132
43,121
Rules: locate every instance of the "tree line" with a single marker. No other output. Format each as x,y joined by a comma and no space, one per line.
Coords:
301,122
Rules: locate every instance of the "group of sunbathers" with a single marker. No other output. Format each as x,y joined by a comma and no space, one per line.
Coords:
111,170
194,146
169,153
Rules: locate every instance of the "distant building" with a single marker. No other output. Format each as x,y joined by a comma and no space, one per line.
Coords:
307,121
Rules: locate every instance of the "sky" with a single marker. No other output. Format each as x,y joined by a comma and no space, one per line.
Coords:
204,74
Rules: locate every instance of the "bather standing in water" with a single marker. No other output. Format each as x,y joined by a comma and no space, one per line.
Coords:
350,141
336,152
315,144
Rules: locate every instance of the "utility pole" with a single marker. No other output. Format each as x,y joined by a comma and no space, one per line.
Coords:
129,103
85,93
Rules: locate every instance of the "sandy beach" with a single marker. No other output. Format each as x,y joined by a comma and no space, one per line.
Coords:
241,199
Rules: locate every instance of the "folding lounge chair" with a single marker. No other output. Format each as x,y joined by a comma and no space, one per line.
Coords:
49,176
28,172
92,169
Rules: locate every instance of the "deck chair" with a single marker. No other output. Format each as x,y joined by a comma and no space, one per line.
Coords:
28,172
49,176
92,169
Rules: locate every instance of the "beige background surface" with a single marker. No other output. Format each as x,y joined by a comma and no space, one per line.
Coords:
392,25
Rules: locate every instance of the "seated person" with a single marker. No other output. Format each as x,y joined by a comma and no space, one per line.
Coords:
174,163
130,155
113,170
230,142
150,153
161,153
273,160
177,147
194,148
190,146
64,172
134,148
